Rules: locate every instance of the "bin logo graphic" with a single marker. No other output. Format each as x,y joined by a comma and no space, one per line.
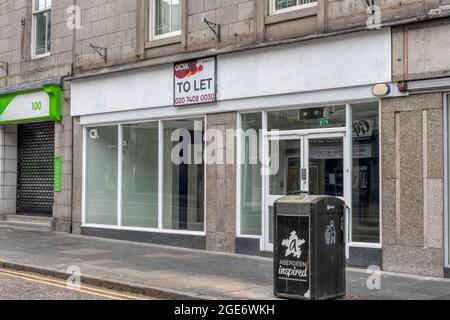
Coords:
330,234
294,245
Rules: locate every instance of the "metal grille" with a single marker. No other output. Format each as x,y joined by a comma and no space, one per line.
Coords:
35,191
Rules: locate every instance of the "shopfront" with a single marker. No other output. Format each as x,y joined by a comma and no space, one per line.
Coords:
315,119
330,150
27,120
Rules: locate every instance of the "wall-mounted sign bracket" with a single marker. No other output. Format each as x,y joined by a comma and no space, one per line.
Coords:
102,52
215,28
5,67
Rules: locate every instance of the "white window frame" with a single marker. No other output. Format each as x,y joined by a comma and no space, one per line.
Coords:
152,20
34,31
348,129
274,11
119,226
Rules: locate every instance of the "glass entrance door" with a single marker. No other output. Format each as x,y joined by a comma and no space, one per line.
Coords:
311,163
283,177
326,166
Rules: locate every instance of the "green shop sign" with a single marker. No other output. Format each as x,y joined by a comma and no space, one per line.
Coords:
42,104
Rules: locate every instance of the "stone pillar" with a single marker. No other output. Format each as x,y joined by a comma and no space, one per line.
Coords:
62,209
413,184
221,190
8,170
77,175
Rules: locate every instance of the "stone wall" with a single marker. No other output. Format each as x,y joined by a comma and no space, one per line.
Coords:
24,71
415,48
62,209
221,191
413,184
77,176
15,43
122,26
236,17
8,170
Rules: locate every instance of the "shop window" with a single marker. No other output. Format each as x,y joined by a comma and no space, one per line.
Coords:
184,175
101,175
165,18
140,175
280,6
41,27
312,118
366,174
251,179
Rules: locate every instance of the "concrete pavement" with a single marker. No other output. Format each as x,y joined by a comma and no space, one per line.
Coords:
174,273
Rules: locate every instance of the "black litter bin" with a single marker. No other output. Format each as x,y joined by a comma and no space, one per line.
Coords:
309,248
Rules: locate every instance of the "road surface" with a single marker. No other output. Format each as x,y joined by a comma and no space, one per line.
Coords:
23,286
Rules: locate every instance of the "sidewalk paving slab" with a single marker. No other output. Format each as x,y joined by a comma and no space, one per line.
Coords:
168,272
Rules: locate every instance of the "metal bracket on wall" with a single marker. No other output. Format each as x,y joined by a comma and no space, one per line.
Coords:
215,28
370,4
5,67
102,52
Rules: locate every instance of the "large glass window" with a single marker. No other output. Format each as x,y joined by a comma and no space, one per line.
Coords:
140,175
166,17
251,180
312,118
101,175
41,26
136,160
184,173
366,174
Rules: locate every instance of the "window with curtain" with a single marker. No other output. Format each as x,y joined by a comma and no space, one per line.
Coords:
166,18
280,5
41,27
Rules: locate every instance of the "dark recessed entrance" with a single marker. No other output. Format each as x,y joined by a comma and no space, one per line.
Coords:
35,172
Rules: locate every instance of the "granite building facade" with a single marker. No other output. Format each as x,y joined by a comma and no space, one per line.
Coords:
354,96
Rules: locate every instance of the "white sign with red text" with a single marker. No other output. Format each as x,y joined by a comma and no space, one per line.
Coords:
195,82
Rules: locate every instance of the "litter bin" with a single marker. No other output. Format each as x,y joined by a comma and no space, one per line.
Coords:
309,248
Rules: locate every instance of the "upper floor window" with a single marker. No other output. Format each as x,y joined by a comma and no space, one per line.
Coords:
41,27
280,6
165,18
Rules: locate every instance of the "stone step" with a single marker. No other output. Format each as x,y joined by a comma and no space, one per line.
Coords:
45,224
23,218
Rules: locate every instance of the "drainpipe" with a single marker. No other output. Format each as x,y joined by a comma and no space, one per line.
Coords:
74,36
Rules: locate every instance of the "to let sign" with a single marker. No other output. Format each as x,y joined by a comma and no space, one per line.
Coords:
195,82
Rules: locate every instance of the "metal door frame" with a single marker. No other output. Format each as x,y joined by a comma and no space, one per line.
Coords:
303,136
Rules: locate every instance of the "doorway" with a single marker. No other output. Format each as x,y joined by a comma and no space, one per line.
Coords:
35,172
313,163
